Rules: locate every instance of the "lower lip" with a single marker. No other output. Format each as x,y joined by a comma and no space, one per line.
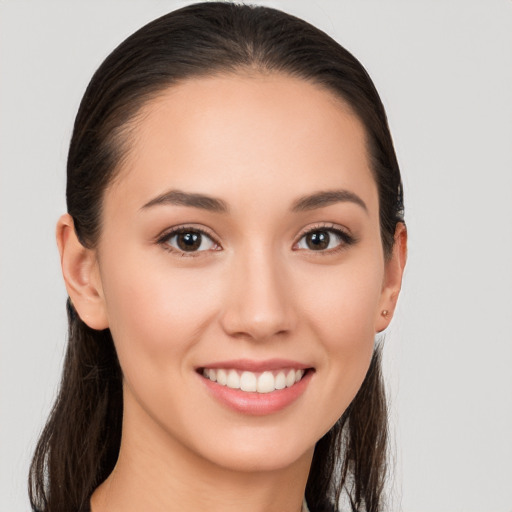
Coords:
258,404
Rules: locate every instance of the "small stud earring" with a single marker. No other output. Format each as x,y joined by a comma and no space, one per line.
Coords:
385,313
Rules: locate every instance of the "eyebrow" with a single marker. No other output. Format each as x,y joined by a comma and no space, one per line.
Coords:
327,198
179,198
309,202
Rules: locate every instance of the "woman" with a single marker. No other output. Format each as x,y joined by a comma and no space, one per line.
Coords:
234,241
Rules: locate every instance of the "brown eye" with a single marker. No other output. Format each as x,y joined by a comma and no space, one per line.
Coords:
324,240
318,240
190,241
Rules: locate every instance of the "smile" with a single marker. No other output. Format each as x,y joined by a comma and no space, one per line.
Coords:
256,387
254,382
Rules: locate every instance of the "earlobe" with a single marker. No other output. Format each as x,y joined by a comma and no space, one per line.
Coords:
81,275
392,284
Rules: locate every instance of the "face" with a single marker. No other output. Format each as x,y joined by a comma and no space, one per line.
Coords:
240,248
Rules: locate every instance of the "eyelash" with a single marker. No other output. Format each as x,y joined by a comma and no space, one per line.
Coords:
163,240
345,238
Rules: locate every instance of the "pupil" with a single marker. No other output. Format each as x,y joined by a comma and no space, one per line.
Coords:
318,240
189,241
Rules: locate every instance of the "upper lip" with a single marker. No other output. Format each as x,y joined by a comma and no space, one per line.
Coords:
250,365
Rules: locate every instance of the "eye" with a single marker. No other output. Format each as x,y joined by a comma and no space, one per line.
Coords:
188,240
324,239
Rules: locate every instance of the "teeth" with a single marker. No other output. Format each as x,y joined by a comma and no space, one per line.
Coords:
290,378
248,381
233,380
280,381
265,382
222,376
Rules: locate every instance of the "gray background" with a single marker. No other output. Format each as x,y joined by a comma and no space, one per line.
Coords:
444,71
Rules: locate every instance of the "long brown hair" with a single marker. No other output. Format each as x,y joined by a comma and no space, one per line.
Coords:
79,446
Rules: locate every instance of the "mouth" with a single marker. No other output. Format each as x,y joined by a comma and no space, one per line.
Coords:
254,387
262,382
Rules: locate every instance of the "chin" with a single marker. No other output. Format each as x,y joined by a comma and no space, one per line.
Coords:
259,451
258,461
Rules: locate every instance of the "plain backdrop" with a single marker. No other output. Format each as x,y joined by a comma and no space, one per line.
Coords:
444,71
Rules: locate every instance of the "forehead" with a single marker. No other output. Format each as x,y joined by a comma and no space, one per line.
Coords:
257,134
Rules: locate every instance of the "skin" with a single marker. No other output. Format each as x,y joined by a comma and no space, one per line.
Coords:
258,143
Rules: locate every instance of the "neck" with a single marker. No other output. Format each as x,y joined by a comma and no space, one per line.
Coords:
156,472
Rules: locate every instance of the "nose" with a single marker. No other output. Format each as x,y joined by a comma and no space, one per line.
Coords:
258,298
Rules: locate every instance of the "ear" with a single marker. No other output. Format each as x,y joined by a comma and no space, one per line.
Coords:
394,269
81,275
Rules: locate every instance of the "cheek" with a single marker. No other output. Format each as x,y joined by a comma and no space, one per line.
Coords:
342,312
158,310
343,302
